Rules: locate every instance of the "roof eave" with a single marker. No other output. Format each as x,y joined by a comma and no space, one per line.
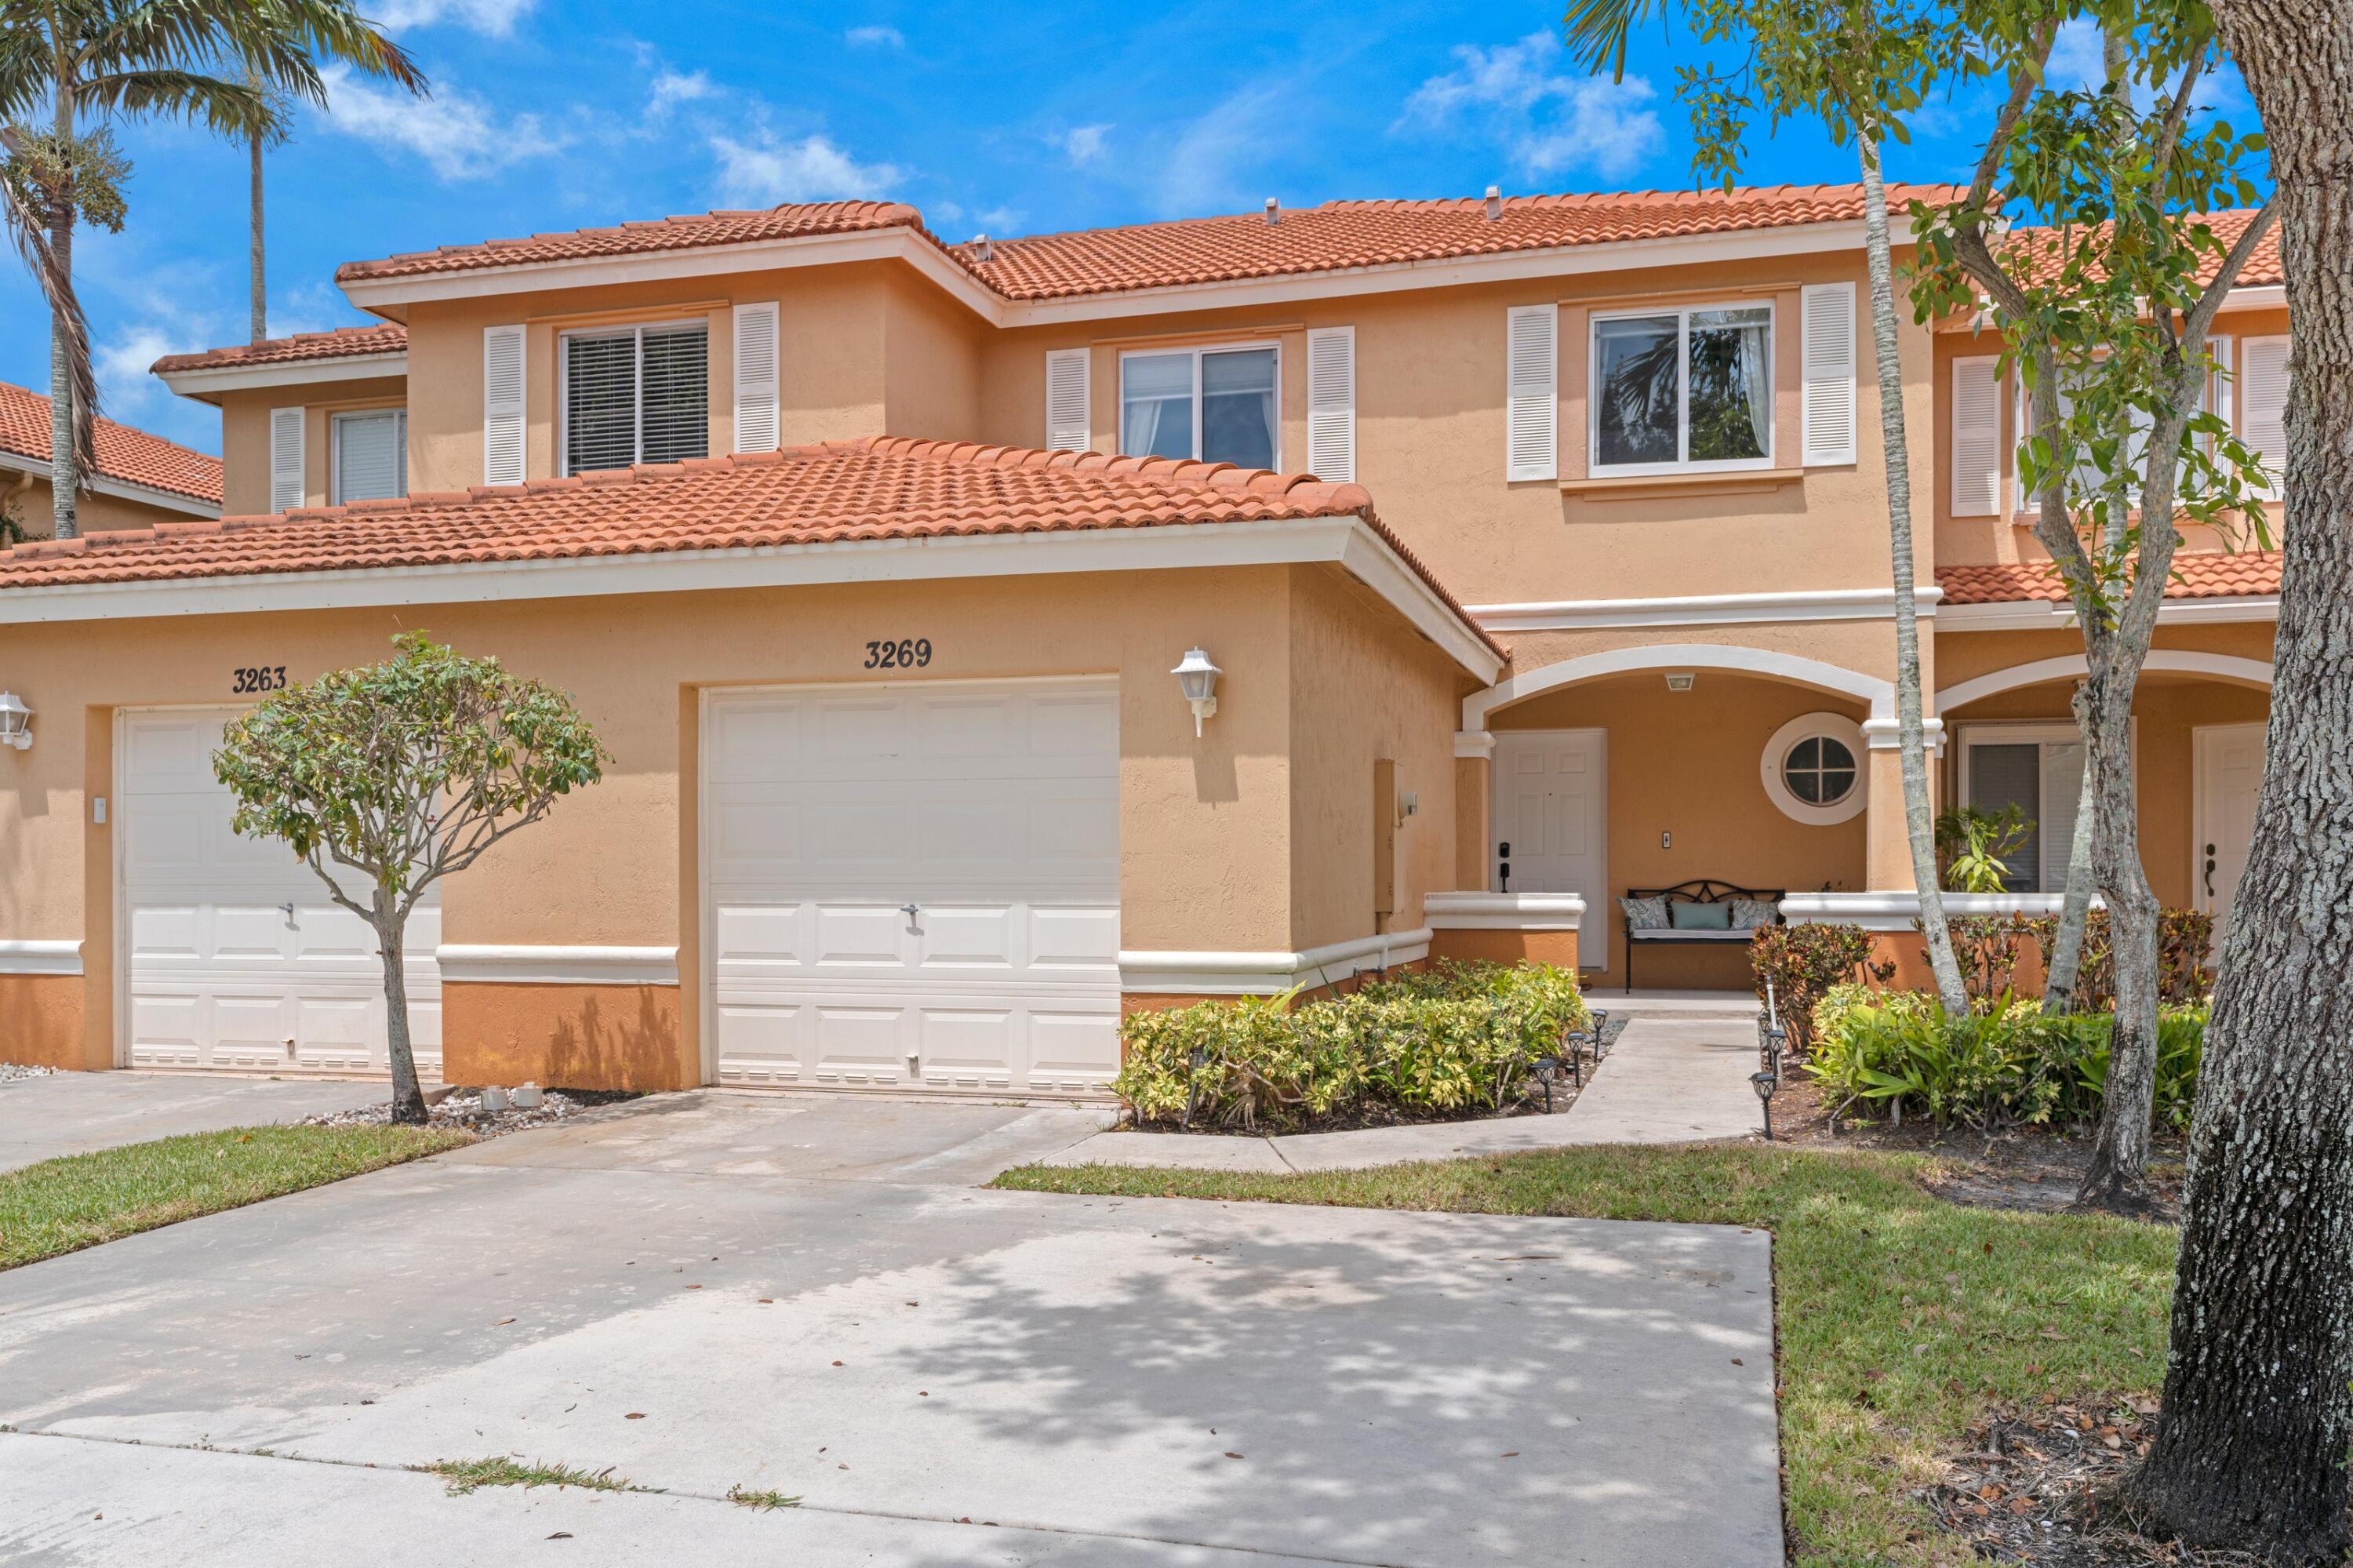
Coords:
206,383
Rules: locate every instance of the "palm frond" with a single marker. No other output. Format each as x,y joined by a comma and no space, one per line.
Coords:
1596,31
26,232
281,41
227,108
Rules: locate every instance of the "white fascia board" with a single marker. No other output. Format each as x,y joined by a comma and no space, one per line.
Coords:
537,965
40,958
1343,540
1182,973
121,490
2042,615
1703,609
206,384
1371,561
381,296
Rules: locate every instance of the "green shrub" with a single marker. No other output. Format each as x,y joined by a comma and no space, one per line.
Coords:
2184,937
1803,963
2007,1064
1451,1038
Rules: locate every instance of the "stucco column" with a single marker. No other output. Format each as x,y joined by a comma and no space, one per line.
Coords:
1887,845
1474,794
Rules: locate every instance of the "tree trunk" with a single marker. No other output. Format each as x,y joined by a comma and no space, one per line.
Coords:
259,283
408,1098
1919,815
2250,1444
2064,961
2116,1180
65,474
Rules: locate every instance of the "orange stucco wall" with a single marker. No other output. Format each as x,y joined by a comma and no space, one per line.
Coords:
244,436
1213,851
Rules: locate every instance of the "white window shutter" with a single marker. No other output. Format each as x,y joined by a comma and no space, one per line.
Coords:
2263,402
1066,401
2217,385
1826,313
502,404
1977,438
1332,403
286,470
759,379
1532,413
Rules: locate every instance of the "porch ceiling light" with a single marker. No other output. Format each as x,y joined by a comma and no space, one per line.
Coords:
1199,680
16,722
1680,680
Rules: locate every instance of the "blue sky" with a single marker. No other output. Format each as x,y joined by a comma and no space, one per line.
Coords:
552,114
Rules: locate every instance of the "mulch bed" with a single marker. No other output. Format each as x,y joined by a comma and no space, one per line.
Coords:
2033,1169
2034,1484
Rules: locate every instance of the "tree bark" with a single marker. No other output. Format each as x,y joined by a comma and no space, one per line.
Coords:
407,1096
2251,1444
65,474
2065,963
1919,814
258,286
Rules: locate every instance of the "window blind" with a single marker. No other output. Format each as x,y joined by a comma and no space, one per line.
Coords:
637,395
371,456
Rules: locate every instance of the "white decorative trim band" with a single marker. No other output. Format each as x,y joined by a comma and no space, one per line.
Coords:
40,958
1896,911
1475,743
1887,735
1695,656
204,382
1502,911
504,965
1178,972
2072,666
2041,615
1702,610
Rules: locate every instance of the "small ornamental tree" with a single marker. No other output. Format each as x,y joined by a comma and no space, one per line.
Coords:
404,772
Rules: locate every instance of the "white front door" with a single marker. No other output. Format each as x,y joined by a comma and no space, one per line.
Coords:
915,886
1552,806
2229,764
234,955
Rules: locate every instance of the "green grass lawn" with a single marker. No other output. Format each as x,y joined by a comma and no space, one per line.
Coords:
62,1206
1901,1316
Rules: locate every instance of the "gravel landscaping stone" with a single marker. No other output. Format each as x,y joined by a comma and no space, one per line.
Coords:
11,1071
463,1108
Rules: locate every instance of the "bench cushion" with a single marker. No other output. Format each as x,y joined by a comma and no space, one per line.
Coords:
1645,913
1687,915
1668,934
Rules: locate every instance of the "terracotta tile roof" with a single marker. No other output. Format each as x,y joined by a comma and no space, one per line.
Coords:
1347,234
692,232
340,344
2263,268
126,455
1331,238
874,488
2207,575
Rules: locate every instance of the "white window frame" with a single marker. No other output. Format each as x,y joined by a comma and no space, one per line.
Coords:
335,447
2024,732
1683,314
638,331
1197,351
1822,726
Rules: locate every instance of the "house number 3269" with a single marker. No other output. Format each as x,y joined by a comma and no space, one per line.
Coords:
261,678
907,653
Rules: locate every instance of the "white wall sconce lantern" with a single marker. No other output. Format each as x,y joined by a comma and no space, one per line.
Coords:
16,722
1198,679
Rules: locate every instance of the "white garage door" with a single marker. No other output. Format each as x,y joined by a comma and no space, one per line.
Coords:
915,886
236,957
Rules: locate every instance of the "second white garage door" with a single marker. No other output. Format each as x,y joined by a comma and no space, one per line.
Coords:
915,886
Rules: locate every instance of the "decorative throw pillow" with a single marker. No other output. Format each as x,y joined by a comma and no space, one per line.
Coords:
1645,913
1690,916
1748,914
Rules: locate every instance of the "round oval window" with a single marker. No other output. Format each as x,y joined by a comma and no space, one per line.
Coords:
1819,770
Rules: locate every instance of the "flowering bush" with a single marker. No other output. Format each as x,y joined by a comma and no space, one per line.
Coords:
1451,1039
1802,962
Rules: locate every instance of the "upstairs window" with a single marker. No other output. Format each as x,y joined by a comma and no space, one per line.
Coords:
635,395
1679,390
1215,404
371,456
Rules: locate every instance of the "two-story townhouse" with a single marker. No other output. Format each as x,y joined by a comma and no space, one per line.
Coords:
1592,563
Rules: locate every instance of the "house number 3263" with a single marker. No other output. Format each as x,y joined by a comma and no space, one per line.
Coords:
261,678
906,653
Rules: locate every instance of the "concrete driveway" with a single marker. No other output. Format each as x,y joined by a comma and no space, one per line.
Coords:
73,1113
713,1291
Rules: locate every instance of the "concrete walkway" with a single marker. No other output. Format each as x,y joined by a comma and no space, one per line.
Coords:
798,1293
1671,1077
73,1113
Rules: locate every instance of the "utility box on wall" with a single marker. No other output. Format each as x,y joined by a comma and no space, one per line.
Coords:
1385,838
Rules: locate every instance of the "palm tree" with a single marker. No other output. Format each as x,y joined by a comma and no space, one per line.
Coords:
143,59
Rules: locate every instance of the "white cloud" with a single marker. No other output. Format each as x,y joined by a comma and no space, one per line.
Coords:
1547,119
876,38
496,17
765,171
1203,168
671,89
458,136
1083,145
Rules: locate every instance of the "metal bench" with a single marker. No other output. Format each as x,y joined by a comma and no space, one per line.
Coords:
1703,891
